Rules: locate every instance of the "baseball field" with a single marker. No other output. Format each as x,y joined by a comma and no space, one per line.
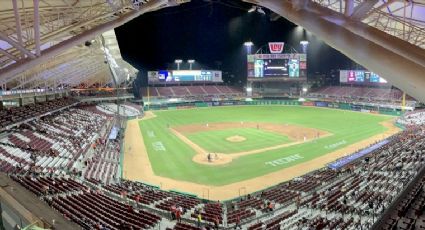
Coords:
219,151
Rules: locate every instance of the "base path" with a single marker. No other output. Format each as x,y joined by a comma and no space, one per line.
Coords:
136,166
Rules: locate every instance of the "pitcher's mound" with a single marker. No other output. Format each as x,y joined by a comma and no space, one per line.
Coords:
216,159
236,138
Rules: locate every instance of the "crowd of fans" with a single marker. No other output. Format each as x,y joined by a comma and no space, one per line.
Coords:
413,118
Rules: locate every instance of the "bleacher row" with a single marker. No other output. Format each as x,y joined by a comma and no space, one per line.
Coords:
409,214
124,109
91,209
17,114
179,91
53,144
360,92
103,165
416,117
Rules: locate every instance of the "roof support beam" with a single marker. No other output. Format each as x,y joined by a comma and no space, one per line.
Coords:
4,52
300,4
37,28
16,45
18,24
361,11
349,8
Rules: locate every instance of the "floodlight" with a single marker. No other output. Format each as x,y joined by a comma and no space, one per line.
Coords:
248,44
190,63
260,10
178,62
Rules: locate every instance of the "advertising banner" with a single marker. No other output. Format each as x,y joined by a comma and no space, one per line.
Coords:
308,103
321,104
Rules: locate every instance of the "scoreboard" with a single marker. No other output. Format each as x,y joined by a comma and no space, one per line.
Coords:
175,76
360,77
277,66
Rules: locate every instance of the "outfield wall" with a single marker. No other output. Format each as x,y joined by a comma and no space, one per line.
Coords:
386,110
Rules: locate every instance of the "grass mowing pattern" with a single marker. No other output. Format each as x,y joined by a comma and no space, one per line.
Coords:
176,160
215,141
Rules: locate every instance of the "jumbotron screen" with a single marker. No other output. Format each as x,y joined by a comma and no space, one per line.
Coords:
166,76
277,66
360,77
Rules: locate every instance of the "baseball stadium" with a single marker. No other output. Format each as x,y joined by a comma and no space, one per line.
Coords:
213,114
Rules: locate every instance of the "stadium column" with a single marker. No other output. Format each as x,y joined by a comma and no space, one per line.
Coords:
249,89
1,105
20,101
35,99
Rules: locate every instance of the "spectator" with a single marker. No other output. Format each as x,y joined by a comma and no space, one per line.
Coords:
238,222
199,220
178,216
216,222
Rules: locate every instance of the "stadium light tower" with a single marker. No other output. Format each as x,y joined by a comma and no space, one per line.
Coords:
190,63
248,46
304,46
178,62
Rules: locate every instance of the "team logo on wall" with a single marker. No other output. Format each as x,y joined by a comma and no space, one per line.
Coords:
276,47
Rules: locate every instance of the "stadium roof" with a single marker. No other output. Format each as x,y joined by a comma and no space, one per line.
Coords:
59,42
54,42
402,19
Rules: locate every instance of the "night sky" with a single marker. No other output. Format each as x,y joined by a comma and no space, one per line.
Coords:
213,34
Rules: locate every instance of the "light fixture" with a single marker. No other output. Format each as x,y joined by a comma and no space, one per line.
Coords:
304,45
191,61
248,44
260,10
178,62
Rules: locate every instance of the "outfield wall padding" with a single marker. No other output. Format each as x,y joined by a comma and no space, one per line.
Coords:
325,104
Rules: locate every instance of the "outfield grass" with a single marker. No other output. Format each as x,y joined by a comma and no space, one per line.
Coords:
215,141
174,159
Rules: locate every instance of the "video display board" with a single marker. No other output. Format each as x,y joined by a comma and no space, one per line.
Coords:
166,76
360,77
277,66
